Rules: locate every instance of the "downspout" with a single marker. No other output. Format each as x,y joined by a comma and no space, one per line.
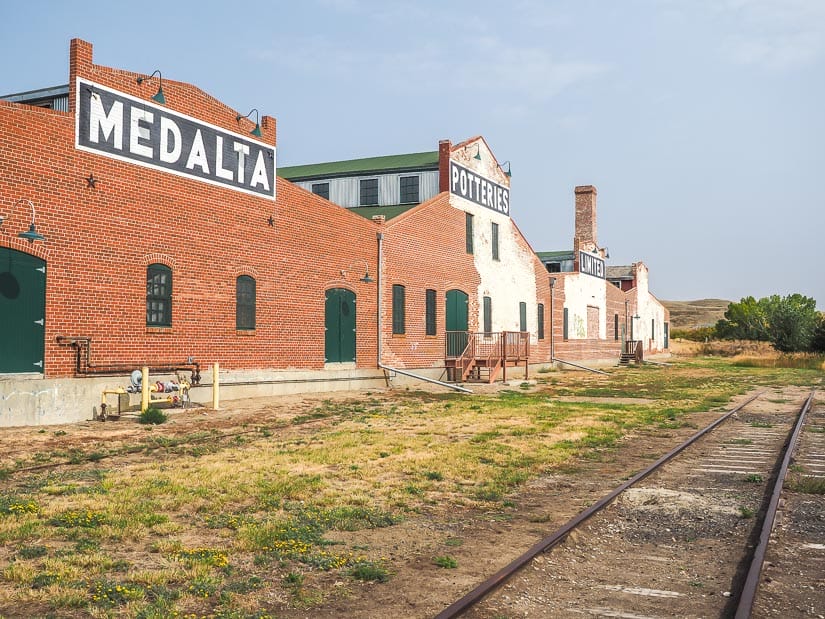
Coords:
379,282
379,296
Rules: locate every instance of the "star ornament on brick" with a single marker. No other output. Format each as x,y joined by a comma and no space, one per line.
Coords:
91,181
271,221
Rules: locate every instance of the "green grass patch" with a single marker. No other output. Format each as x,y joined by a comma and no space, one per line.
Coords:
152,416
446,562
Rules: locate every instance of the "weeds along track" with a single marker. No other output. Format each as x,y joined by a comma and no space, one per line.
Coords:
678,539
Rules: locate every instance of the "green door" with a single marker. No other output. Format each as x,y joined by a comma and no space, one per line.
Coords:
456,320
339,323
22,312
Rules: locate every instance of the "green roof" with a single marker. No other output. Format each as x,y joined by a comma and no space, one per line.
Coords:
368,212
369,165
550,256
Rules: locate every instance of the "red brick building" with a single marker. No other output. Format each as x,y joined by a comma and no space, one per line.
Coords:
144,224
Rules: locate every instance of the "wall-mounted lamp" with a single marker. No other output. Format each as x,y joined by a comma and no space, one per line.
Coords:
257,130
158,96
478,152
507,171
31,235
367,279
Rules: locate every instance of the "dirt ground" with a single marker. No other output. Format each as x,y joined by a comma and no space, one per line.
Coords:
481,542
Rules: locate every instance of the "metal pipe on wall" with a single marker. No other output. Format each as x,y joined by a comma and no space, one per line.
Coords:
379,282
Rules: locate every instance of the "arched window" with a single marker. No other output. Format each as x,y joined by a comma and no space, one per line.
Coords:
158,296
245,303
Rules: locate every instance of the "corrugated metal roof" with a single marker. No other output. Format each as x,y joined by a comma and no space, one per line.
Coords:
369,165
368,212
554,256
620,272
40,93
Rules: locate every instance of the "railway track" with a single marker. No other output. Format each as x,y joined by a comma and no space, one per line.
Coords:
687,537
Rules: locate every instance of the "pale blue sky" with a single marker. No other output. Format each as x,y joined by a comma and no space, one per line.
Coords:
701,122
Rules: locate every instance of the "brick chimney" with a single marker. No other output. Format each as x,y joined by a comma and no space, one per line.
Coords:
585,237
444,149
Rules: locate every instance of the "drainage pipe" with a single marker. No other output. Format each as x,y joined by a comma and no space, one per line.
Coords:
425,378
576,365
379,283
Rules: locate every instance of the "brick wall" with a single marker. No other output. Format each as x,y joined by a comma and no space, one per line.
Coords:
425,248
100,240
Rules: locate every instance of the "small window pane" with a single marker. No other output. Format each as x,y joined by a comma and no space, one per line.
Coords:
245,303
430,312
369,192
565,323
494,241
321,189
409,190
158,295
398,318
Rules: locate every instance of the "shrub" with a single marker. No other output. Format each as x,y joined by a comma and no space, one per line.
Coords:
152,416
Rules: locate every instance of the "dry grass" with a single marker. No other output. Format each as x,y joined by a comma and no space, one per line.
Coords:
237,528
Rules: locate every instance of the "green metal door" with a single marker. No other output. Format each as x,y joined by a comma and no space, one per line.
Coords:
339,323
456,309
22,312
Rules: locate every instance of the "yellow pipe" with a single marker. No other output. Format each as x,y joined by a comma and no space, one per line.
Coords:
144,391
215,388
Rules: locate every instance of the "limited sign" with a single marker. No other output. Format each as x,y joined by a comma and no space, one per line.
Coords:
469,185
120,126
591,265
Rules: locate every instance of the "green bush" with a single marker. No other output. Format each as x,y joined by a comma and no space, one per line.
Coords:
152,415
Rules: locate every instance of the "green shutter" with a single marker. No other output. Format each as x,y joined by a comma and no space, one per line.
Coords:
488,315
468,224
494,241
540,319
456,321
398,310
430,312
522,316
22,312
565,324
339,324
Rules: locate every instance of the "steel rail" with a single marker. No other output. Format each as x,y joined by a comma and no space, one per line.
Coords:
749,589
500,577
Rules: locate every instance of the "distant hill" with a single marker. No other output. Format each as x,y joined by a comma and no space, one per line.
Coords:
693,314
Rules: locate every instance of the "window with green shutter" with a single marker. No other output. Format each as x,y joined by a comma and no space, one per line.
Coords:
488,315
522,316
494,240
540,320
565,325
398,318
430,312
158,296
468,225
245,303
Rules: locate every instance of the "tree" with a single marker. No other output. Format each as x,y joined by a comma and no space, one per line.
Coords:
818,340
789,323
746,320
793,320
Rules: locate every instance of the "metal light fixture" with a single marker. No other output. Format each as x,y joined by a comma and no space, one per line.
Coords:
507,171
158,96
367,278
257,130
478,152
31,235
